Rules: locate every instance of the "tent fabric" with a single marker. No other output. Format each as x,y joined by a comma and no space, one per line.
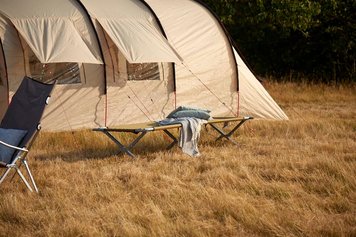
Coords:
131,27
208,77
13,54
254,99
63,46
127,32
129,101
50,31
76,106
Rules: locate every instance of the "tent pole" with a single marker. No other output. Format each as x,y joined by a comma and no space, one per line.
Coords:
101,54
113,70
23,52
6,74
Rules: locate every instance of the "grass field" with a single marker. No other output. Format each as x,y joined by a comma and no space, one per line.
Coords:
291,178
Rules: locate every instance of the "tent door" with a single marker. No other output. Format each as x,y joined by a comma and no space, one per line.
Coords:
3,83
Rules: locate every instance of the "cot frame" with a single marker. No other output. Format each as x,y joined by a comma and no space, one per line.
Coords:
141,129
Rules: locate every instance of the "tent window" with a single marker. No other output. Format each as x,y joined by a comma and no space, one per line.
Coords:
143,71
135,71
64,73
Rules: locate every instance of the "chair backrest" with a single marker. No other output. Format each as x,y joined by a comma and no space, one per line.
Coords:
26,108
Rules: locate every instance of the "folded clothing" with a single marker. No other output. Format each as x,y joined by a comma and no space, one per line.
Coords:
189,134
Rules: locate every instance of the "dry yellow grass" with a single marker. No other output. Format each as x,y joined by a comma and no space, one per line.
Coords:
294,178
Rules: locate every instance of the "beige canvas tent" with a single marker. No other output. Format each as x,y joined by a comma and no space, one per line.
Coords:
125,61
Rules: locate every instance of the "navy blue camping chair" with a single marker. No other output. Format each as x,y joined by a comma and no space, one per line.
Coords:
20,126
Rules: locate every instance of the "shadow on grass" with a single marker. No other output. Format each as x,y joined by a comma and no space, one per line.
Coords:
149,147
141,150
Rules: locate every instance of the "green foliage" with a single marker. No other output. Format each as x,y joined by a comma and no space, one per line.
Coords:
225,9
295,37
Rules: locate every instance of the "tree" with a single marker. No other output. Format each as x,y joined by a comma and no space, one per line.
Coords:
308,37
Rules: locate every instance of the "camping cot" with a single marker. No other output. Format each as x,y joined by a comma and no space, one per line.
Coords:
141,129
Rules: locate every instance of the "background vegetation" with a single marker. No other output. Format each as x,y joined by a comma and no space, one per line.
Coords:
313,39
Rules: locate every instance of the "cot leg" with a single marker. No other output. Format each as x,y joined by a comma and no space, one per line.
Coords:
223,134
136,140
228,135
235,128
175,140
121,146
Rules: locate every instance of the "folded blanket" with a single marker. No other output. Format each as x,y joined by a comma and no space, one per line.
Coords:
189,133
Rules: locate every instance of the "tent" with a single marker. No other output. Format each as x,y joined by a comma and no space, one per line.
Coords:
125,61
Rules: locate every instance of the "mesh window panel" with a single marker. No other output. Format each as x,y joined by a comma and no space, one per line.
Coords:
64,73
143,71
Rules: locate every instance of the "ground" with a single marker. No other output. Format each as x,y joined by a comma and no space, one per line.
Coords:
289,178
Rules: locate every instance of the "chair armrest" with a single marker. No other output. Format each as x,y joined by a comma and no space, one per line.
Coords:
13,147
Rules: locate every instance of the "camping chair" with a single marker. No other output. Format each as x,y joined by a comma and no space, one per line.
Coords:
20,126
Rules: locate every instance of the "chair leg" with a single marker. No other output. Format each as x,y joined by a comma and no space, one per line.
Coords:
14,174
29,173
5,174
23,178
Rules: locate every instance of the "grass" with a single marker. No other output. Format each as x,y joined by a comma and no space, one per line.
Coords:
291,178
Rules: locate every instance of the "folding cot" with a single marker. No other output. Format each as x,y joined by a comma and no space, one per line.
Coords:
141,129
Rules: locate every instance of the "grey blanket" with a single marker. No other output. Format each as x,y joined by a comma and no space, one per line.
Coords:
189,133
